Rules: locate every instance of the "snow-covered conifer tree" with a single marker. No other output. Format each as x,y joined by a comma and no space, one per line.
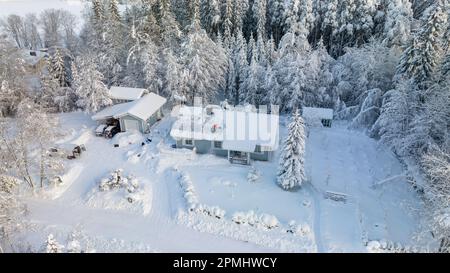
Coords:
92,93
394,118
204,61
168,25
227,25
421,56
276,18
259,10
240,64
210,15
240,8
57,68
291,172
252,87
397,28
52,246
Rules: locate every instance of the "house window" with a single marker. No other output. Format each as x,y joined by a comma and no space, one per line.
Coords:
326,122
189,142
217,144
258,149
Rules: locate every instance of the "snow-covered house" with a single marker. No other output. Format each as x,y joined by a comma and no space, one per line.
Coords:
138,115
317,116
233,133
119,94
35,60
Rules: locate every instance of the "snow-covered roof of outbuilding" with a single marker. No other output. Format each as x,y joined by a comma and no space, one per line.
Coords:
32,57
126,93
317,113
237,129
142,108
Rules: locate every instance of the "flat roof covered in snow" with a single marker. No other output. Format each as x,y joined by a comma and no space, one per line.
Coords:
142,108
317,113
126,93
236,129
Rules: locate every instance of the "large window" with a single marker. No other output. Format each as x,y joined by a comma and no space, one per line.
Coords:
189,142
217,144
326,122
258,149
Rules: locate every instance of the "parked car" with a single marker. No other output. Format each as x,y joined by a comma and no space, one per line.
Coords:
111,131
100,131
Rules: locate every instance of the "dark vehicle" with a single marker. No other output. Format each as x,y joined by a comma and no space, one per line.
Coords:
111,131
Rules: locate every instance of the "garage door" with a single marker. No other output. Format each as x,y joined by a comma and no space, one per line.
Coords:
131,125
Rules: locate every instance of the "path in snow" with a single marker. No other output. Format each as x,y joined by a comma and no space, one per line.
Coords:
317,222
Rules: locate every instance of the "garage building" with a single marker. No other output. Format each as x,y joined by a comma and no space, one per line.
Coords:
138,115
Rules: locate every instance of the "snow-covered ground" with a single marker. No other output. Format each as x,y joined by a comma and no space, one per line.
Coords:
229,213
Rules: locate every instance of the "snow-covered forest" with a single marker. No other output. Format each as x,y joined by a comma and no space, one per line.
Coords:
382,65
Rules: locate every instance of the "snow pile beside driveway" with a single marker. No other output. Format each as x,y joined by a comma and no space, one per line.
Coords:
127,138
121,192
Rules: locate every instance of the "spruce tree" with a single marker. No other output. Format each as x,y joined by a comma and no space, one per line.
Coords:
421,57
291,172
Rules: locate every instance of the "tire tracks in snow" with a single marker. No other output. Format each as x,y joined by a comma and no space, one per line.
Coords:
315,193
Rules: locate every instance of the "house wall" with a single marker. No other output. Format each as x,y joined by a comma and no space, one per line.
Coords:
144,127
220,152
202,146
264,156
152,120
205,146
128,117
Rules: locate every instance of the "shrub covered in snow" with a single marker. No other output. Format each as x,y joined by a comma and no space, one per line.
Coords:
189,191
253,219
297,229
8,183
390,247
253,175
118,181
52,246
123,192
192,199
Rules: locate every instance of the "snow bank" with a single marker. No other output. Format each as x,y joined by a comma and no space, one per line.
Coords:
390,247
127,138
121,192
253,219
67,180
